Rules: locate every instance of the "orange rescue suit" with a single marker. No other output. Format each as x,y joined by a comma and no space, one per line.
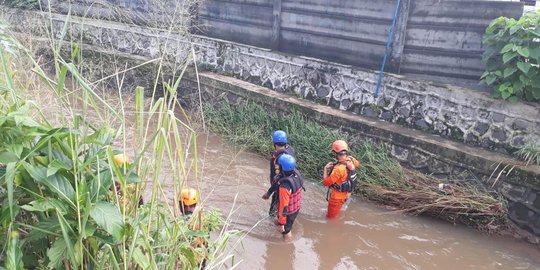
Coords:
338,176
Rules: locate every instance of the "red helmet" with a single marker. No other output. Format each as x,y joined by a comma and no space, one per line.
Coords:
340,146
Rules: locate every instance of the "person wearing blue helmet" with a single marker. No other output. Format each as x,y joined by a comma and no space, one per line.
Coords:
281,146
291,187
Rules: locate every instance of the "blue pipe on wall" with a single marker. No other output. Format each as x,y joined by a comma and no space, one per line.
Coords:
388,42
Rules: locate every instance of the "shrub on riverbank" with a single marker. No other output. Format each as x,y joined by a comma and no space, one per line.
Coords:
512,58
382,178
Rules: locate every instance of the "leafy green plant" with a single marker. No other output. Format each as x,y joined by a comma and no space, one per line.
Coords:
58,209
56,180
512,58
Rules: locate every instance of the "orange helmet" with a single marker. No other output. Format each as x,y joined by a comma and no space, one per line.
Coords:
188,196
339,146
121,159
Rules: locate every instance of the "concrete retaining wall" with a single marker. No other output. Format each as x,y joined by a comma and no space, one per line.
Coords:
151,13
440,38
250,21
464,116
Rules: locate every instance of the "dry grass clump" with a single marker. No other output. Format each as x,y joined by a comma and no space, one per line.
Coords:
456,203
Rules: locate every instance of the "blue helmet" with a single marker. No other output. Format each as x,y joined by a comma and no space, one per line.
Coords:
287,162
279,136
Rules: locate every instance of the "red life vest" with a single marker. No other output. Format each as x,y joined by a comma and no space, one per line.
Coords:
296,183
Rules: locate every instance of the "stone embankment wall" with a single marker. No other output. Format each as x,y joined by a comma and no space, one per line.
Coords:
458,113
345,92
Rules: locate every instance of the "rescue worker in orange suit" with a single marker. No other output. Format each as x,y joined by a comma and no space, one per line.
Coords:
187,201
291,187
340,178
122,161
196,220
281,146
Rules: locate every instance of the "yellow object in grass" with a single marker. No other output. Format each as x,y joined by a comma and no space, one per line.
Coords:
121,159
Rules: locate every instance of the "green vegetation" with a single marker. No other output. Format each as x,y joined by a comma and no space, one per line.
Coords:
529,153
512,58
382,178
59,206
250,126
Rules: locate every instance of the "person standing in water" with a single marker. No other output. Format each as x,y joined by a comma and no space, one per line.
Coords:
281,146
340,177
125,197
199,220
291,187
187,201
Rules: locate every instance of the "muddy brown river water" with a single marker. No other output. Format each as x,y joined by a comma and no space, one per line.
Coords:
366,236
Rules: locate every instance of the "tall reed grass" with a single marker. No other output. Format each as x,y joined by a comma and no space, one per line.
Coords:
59,206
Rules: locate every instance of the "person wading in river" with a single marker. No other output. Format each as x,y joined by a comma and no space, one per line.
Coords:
340,178
197,220
125,197
291,187
187,201
281,146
